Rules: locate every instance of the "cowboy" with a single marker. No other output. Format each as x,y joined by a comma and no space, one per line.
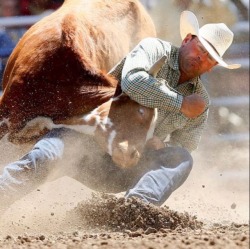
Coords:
182,102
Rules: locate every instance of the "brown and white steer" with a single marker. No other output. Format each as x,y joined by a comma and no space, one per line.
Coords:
121,126
58,68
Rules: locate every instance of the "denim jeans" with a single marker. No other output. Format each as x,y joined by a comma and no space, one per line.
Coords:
153,180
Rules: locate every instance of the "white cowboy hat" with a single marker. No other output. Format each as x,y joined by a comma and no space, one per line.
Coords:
215,37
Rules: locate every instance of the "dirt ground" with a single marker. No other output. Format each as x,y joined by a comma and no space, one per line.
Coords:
211,210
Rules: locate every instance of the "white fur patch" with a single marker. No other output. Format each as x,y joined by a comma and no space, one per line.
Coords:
39,123
152,125
33,127
110,141
106,123
85,129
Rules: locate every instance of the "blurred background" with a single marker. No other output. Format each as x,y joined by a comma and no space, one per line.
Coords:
228,124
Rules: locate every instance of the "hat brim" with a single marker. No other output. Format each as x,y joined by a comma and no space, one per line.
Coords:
190,25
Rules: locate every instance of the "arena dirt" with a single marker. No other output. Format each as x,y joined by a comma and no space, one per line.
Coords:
209,211
120,214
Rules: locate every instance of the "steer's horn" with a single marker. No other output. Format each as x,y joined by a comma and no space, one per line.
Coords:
157,66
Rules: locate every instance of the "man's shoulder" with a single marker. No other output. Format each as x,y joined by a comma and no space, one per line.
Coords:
149,41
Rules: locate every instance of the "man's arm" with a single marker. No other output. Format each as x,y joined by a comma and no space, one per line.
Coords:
142,87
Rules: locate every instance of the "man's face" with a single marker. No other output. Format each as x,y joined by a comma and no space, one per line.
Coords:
194,59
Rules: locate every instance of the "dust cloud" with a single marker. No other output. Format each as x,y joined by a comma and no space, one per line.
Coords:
212,203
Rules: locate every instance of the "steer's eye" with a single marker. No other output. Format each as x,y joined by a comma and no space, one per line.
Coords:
141,111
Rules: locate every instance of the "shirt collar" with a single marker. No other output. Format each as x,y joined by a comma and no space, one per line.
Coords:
174,58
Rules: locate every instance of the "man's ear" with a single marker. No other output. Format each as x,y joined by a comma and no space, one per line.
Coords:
187,38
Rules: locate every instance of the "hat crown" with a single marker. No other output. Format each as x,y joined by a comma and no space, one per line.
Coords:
218,35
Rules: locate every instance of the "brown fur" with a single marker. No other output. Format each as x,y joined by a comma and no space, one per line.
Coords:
58,69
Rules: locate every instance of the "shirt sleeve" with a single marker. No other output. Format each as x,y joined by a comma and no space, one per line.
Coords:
190,135
142,87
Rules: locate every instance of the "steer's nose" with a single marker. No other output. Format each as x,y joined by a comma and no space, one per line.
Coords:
123,146
134,153
125,156
128,151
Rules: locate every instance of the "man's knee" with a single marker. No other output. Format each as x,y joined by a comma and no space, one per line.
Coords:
184,155
50,147
174,156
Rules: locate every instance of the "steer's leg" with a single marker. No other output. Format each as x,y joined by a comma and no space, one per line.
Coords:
22,176
85,124
169,168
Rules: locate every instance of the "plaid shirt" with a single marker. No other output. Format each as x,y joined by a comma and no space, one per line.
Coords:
162,92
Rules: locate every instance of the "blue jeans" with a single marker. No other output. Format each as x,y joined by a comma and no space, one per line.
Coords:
153,180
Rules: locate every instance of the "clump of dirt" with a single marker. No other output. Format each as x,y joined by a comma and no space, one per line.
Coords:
121,214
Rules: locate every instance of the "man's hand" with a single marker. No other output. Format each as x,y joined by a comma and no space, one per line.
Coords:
193,105
155,143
